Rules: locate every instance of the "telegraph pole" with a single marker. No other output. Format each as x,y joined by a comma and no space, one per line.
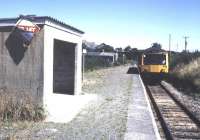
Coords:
169,42
186,37
177,47
170,47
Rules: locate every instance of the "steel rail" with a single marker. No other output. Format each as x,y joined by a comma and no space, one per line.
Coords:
170,132
187,111
164,125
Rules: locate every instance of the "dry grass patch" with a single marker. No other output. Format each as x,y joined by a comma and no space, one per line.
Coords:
19,108
189,73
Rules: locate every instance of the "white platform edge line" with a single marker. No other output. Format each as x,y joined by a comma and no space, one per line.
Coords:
150,111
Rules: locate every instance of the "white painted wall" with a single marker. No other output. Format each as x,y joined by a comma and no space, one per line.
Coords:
61,107
50,34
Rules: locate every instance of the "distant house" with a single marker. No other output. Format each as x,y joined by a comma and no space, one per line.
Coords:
111,57
49,68
104,48
103,52
89,46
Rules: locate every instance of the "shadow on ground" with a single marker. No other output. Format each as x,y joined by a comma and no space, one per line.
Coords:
151,79
133,70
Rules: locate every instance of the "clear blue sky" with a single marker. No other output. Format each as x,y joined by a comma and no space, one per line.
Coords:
121,22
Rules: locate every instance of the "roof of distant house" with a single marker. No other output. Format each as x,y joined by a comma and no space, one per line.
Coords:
154,50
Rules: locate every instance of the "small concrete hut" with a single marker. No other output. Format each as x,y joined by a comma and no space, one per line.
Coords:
48,69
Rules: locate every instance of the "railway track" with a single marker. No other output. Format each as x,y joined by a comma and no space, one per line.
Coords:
177,122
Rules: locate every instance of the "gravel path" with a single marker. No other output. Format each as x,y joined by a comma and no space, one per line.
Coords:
102,119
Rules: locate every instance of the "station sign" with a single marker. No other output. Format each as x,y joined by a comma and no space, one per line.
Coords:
27,25
25,30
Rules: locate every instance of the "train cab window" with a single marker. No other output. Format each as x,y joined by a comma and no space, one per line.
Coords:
154,59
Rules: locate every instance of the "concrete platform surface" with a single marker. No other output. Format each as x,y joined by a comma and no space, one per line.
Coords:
140,122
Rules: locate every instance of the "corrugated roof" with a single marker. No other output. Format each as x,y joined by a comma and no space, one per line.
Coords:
41,20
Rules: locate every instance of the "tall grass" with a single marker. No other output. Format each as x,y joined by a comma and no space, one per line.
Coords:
185,70
182,58
189,72
19,107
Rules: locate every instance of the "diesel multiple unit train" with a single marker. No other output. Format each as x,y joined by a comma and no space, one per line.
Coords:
154,61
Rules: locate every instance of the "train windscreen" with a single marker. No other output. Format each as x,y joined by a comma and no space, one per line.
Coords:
154,59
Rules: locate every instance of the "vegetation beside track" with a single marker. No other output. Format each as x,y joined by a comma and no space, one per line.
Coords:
185,72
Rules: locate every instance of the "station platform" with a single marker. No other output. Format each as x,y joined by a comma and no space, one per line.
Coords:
141,124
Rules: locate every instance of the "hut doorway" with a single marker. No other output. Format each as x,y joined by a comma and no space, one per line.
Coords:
64,67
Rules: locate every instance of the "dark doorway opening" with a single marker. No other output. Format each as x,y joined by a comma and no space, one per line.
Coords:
64,67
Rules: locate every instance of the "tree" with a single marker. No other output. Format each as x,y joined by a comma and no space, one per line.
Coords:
118,49
129,52
156,45
127,49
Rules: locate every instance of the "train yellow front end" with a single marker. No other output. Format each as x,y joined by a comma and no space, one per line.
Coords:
154,63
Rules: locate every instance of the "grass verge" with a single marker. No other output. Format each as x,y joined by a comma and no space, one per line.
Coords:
19,108
186,77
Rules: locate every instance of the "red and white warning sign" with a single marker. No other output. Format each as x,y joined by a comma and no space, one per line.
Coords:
27,25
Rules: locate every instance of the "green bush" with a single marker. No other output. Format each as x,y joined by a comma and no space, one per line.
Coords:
182,58
92,63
